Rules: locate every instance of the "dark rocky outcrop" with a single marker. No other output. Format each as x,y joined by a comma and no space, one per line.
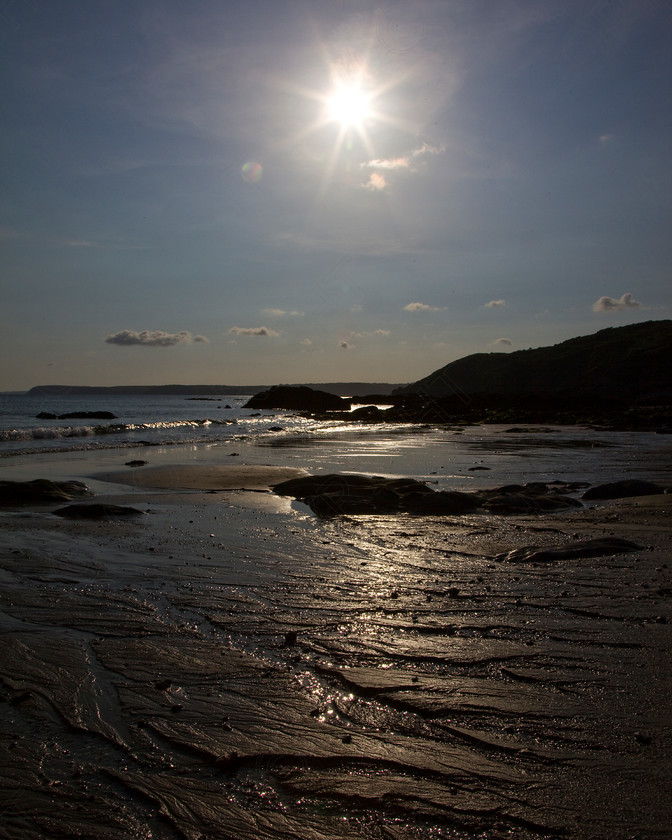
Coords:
77,415
338,494
297,398
568,551
97,511
41,491
623,489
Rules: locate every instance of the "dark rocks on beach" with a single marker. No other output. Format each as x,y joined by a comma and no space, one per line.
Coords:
337,494
623,490
97,511
40,491
569,551
535,497
297,398
136,463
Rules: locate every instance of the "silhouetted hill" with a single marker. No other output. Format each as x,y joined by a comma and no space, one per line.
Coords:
624,366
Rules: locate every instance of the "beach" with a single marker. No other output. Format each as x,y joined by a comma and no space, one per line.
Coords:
228,664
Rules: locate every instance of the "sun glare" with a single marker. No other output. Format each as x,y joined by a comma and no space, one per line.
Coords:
348,105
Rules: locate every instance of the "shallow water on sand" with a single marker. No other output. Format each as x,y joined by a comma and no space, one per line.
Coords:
212,670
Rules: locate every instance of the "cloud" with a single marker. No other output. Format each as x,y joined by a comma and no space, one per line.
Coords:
389,163
421,307
609,304
201,339
494,303
605,139
405,161
345,345
376,182
282,313
306,342
502,342
266,331
381,332
151,338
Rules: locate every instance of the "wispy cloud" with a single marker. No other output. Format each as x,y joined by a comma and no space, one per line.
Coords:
255,331
201,339
492,304
282,313
346,345
409,161
416,306
609,304
501,343
388,163
152,338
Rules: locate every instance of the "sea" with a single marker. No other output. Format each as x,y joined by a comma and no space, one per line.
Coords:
188,429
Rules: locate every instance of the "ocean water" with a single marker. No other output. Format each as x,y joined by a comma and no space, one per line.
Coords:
180,429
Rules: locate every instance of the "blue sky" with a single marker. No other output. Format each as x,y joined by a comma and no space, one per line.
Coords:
183,202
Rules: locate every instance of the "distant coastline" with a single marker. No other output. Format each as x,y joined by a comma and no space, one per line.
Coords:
342,389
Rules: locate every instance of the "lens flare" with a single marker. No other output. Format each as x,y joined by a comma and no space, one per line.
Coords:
251,172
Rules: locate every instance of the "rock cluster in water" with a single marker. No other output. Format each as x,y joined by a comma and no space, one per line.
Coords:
77,415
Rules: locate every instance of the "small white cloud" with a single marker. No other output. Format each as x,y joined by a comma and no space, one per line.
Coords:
416,306
376,182
345,345
609,304
306,342
381,332
492,304
282,313
148,338
502,342
605,139
201,339
261,331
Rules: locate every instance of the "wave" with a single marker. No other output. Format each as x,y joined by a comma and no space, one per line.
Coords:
55,433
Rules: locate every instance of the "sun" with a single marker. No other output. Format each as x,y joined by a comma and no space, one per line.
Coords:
348,105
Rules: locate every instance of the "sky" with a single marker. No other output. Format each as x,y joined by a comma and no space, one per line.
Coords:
287,191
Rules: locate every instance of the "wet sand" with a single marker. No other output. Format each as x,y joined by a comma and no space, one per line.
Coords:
225,668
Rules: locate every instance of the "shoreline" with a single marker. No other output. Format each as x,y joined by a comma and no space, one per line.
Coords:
229,664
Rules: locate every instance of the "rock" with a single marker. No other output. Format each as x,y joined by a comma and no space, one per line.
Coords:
338,493
88,415
369,413
276,429
97,511
41,491
568,551
623,489
297,398
534,497
46,415
136,463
